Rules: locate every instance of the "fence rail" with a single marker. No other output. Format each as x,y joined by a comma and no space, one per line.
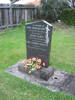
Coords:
19,13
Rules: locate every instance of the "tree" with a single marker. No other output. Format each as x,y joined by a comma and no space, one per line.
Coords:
51,9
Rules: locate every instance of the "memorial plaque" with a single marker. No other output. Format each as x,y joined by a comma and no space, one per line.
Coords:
38,40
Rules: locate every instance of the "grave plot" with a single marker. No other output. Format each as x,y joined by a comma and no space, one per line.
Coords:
36,68
58,81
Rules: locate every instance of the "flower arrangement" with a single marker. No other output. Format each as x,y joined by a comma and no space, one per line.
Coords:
33,64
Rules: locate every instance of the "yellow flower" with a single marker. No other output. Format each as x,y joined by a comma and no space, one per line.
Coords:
39,61
29,72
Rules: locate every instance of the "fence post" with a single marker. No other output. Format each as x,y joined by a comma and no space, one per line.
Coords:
6,17
11,22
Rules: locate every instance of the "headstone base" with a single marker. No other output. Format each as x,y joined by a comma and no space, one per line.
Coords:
44,73
59,81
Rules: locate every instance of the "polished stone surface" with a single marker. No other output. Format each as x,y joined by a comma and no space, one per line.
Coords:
38,40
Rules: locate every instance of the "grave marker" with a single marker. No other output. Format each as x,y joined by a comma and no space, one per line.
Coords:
38,40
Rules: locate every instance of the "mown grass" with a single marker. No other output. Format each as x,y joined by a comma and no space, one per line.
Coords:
63,48
13,49
12,46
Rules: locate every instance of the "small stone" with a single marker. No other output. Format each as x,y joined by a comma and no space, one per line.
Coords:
21,67
46,73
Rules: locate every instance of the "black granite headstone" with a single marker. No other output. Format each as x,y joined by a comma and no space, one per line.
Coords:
38,40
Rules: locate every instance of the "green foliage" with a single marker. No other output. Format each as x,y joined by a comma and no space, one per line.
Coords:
68,16
51,9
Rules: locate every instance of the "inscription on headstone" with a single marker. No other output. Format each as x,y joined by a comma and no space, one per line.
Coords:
38,40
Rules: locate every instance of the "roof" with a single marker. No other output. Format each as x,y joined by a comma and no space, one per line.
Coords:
5,2
28,2
35,2
23,2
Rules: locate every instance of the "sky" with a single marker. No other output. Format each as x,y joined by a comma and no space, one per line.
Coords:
21,1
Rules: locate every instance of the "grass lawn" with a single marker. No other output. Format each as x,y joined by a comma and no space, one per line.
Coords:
13,49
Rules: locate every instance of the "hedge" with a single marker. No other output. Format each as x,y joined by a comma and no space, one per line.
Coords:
68,16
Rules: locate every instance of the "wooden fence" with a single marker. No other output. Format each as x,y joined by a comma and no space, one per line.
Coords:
19,13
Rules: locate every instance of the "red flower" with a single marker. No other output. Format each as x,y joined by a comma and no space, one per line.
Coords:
30,59
37,66
44,64
23,62
33,59
25,66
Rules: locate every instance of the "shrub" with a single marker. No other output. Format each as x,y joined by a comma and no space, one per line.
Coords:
50,9
68,16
